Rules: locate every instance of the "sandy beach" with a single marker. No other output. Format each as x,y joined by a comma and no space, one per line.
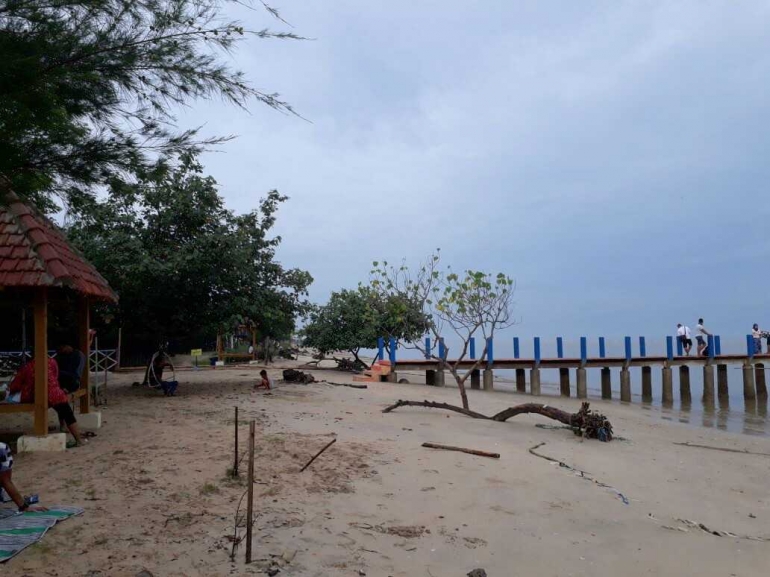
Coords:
157,497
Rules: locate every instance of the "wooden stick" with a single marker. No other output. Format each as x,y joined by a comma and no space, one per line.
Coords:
235,457
346,385
462,450
250,500
318,454
726,449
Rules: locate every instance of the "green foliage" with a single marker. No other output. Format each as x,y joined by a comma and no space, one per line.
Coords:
183,264
354,319
88,87
469,303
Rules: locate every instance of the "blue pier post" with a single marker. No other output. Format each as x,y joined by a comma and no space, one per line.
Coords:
534,374
717,345
625,375
602,348
380,348
646,373
582,379
475,373
563,371
489,376
441,348
679,347
393,351
521,374
668,377
430,374
708,373
606,374
749,383
712,346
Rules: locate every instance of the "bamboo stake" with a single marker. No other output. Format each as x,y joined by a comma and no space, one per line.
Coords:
235,457
250,500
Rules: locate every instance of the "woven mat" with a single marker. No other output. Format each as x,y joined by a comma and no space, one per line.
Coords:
20,530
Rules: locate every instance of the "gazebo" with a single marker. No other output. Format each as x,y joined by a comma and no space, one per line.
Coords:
37,261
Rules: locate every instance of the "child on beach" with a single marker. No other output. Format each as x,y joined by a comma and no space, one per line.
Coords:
7,486
265,381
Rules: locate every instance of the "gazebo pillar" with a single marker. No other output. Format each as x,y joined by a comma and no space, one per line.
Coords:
41,441
41,361
84,326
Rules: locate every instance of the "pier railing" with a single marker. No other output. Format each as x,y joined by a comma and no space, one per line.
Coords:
712,360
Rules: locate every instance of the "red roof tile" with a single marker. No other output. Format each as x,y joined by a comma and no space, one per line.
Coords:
35,253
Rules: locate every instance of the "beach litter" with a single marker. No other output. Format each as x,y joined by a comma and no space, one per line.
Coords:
462,450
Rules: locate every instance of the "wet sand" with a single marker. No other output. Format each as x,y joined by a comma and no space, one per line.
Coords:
157,497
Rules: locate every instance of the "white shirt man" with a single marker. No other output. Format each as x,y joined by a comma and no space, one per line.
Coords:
683,334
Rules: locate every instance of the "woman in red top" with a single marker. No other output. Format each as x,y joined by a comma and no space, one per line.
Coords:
24,382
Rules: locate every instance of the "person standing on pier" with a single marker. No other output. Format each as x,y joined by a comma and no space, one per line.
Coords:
756,334
683,334
701,337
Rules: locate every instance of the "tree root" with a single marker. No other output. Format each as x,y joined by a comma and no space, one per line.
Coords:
585,422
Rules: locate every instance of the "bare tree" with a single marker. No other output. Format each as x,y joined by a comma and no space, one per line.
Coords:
470,304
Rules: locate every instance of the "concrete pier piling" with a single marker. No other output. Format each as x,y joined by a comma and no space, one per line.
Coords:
685,392
625,385
489,379
708,384
430,378
534,382
606,383
722,385
668,386
647,384
476,379
749,390
759,380
521,380
564,382
582,383
439,380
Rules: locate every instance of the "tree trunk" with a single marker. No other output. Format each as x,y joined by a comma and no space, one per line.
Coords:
585,422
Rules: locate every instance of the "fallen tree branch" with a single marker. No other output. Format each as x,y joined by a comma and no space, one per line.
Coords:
345,385
318,454
585,422
462,450
726,449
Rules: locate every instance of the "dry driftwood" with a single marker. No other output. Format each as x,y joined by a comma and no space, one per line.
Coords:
318,454
462,450
585,422
353,386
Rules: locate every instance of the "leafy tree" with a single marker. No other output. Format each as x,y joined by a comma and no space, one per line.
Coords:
471,304
184,265
342,324
88,87
355,319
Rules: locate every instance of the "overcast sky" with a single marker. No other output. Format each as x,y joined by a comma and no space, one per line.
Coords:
611,156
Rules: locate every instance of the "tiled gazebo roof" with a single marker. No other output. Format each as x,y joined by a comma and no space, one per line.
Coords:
35,253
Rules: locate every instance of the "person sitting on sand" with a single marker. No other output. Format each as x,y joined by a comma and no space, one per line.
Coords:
24,383
6,482
265,381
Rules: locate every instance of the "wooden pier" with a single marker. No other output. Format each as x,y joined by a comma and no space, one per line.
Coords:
714,366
